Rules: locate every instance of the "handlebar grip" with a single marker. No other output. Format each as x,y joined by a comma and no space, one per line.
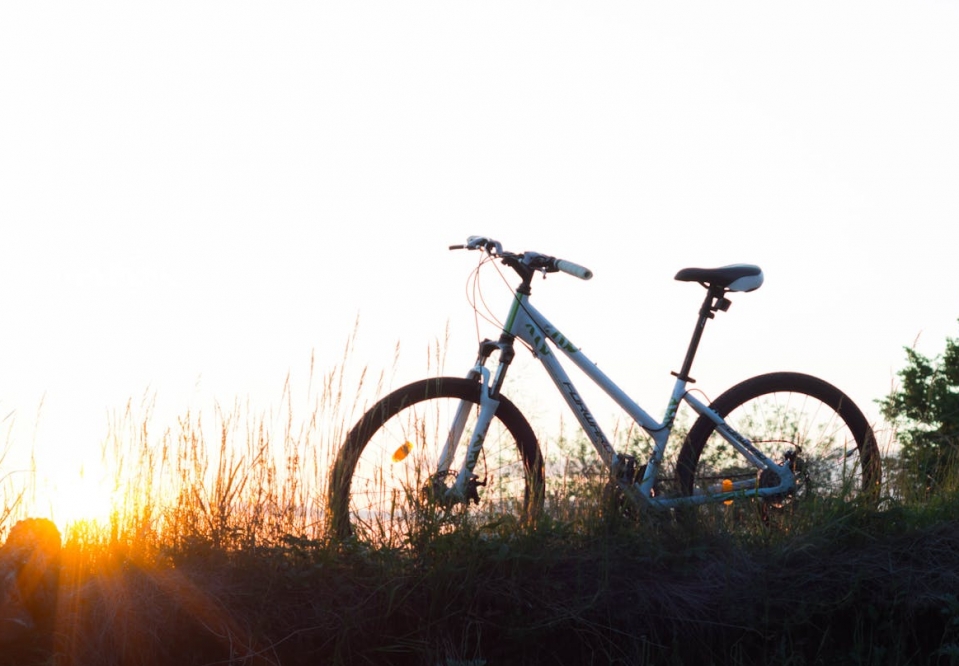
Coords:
576,270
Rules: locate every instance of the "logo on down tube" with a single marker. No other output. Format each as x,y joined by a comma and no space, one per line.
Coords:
595,433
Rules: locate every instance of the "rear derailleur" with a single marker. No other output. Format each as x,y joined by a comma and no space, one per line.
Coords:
768,478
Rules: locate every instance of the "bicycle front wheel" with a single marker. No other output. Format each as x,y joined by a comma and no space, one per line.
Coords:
385,488
789,417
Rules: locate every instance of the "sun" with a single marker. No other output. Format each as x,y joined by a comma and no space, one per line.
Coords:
69,498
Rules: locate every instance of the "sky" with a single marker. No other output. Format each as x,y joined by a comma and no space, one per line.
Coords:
198,198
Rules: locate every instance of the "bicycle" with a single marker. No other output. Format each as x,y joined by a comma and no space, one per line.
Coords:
456,446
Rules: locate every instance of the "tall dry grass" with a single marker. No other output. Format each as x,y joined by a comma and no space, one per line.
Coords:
232,477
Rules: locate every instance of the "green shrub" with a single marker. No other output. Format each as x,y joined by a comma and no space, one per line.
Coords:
926,410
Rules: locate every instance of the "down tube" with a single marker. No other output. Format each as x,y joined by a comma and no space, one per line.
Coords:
534,329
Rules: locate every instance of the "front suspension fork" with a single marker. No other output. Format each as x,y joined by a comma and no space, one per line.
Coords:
464,487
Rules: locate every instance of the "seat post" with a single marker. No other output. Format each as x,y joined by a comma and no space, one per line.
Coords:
715,300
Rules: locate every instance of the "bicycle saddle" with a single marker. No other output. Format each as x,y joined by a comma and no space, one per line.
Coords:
736,277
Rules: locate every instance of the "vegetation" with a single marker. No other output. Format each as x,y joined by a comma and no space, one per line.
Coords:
216,553
926,408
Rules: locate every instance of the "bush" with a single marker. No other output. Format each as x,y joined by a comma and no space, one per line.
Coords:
926,410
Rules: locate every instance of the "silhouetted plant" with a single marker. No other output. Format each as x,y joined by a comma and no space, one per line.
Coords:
926,410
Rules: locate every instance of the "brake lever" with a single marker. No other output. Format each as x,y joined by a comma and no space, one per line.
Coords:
480,243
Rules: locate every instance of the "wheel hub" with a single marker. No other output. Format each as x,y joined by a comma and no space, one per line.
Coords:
439,491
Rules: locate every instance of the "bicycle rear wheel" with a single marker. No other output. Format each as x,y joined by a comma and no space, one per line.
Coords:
787,416
385,489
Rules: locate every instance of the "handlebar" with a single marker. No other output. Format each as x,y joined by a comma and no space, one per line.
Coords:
524,262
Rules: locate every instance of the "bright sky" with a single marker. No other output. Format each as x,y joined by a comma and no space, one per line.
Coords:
197,196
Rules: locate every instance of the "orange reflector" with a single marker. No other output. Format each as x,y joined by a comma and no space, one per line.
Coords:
402,452
727,488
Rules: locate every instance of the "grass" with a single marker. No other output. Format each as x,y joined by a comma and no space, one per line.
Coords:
859,588
216,553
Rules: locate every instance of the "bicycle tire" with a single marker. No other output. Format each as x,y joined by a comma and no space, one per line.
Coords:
382,501
778,412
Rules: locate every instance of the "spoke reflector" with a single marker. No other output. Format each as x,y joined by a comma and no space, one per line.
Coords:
402,452
727,487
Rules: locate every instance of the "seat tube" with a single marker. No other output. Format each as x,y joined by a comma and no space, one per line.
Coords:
713,297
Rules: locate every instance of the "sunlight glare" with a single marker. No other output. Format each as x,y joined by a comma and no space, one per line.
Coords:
79,497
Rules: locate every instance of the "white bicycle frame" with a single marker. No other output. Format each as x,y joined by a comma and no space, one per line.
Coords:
529,325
